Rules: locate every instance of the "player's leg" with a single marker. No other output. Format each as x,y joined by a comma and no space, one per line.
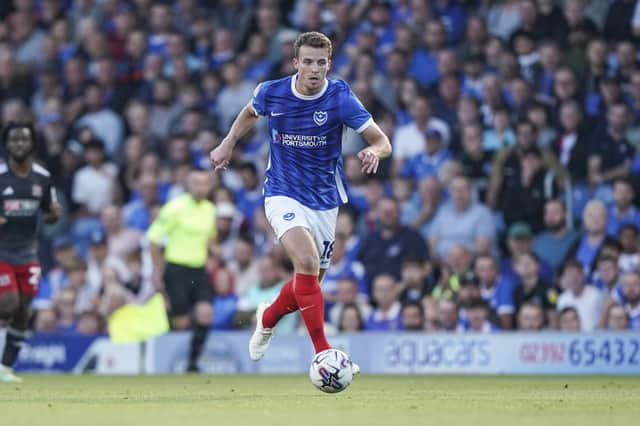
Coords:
202,295
301,249
282,214
19,289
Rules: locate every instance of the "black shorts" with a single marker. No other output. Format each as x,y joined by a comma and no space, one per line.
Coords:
185,287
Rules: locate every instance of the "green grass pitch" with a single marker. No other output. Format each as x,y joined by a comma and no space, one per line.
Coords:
291,400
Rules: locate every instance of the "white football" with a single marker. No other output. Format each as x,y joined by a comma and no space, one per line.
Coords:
330,371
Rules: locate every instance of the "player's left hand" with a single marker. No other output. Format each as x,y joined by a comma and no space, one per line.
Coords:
370,161
54,213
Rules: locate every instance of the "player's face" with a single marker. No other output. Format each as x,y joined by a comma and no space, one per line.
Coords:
19,143
312,64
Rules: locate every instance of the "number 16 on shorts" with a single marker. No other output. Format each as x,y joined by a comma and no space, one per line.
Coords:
327,250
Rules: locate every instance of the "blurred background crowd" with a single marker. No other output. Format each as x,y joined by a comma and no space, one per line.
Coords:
510,201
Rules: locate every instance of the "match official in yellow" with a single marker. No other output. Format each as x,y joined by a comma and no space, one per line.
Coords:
185,227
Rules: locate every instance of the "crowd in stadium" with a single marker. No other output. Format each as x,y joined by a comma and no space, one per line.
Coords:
510,202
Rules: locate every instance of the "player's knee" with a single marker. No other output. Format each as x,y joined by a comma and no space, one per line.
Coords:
203,313
307,264
9,305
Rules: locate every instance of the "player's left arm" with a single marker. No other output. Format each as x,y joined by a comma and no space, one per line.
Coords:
52,209
379,148
356,116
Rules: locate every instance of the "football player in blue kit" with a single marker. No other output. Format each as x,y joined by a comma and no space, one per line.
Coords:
304,181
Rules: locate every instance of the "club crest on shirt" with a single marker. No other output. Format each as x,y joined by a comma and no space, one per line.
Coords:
36,191
320,117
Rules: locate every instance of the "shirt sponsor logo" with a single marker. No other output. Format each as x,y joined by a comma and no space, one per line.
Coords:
8,191
298,141
20,207
320,117
36,190
289,216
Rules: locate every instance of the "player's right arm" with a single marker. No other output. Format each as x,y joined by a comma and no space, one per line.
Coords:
247,118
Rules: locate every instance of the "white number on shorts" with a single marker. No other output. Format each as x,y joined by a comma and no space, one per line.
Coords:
34,275
328,249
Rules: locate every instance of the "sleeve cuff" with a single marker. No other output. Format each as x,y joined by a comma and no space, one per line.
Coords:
366,124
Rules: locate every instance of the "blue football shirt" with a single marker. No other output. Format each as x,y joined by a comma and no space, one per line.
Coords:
305,162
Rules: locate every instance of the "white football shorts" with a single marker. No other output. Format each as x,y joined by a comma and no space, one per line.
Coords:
284,213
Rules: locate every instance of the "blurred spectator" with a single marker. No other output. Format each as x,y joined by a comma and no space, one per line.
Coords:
629,259
462,221
457,268
105,123
347,294
58,276
607,276
244,266
137,213
617,318
496,291
428,163
94,184
409,139
611,154
587,300
622,212
122,239
594,219
412,317
553,244
532,289
631,292
386,315
475,159
477,317
448,316
384,250
350,320
234,96
425,206
569,319
530,317
99,259
413,281
528,192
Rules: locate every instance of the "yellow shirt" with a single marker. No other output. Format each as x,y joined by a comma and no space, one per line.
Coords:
186,226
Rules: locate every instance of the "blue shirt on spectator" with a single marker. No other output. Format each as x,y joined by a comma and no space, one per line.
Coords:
615,221
552,249
453,16
379,321
424,68
586,254
501,297
137,215
546,273
424,165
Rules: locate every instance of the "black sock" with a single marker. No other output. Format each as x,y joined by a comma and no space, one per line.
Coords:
197,342
12,346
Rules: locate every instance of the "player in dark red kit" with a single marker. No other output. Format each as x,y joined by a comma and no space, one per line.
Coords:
25,191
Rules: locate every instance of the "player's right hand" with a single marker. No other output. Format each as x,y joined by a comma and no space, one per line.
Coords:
221,156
